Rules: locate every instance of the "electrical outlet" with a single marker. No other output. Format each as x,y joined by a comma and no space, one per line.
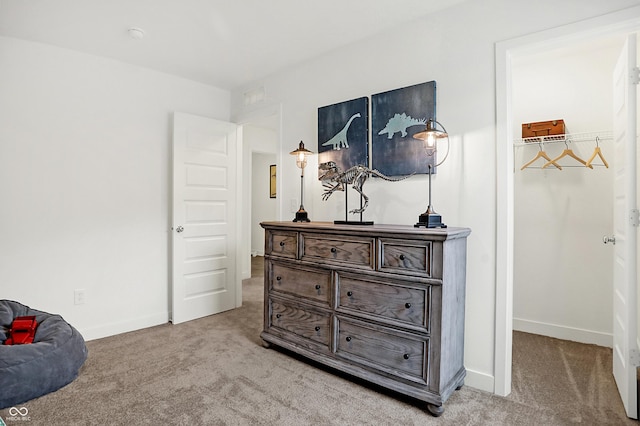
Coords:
293,205
79,296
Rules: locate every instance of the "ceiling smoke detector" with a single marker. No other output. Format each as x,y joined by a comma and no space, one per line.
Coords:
136,33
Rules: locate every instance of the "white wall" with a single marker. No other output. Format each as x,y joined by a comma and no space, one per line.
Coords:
263,208
563,272
456,48
84,163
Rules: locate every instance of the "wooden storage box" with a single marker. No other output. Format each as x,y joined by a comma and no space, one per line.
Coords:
543,128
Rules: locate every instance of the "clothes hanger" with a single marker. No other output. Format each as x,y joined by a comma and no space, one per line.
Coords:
570,153
597,152
541,154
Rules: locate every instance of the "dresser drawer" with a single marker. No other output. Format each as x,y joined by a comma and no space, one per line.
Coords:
282,244
351,250
383,349
314,326
408,305
411,257
309,283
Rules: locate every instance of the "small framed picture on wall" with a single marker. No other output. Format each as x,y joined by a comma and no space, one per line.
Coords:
272,181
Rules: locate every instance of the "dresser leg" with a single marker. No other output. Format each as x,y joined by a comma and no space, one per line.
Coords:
459,386
266,344
435,410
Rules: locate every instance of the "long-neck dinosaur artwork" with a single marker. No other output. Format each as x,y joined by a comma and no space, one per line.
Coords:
340,138
335,180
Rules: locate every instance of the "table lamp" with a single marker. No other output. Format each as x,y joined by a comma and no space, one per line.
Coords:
301,161
430,137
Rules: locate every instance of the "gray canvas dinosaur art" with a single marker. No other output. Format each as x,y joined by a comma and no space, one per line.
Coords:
399,123
335,180
340,138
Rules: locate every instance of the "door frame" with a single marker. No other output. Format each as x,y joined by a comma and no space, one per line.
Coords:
627,20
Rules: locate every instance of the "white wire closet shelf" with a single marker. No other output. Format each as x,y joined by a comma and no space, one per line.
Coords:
569,137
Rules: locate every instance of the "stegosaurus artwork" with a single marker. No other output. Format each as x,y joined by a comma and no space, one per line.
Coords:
399,123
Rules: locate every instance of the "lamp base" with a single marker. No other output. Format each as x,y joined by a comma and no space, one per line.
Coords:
430,220
301,216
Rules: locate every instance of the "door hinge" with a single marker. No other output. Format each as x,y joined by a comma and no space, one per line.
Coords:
635,75
634,357
634,217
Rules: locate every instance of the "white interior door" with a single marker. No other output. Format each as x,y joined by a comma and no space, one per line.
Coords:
205,277
625,226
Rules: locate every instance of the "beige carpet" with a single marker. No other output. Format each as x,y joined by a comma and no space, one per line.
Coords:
214,371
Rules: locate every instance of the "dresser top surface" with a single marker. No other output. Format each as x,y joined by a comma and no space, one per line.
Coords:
376,229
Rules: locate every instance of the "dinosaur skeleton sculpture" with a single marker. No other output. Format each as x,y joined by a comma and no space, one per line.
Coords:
335,180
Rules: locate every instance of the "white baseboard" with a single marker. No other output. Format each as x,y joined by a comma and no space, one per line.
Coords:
478,380
563,332
111,329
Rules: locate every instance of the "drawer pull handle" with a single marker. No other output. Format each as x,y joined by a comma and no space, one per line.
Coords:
281,243
348,339
278,278
317,328
278,315
407,305
402,257
349,293
317,286
333,250
405,356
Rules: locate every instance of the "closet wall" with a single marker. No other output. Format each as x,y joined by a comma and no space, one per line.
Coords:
562,270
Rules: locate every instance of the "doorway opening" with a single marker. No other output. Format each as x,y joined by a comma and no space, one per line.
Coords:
594,29
562,284
562,270
264,193
260,151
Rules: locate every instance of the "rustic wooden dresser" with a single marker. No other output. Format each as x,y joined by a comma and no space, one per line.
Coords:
384,303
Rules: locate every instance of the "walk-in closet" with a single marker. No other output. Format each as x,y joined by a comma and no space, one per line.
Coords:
563,192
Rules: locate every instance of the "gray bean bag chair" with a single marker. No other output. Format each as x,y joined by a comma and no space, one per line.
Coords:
49,363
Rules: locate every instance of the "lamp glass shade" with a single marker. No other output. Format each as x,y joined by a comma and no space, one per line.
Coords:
431,134
301,155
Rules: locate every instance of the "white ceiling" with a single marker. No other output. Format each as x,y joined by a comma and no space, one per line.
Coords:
224,43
